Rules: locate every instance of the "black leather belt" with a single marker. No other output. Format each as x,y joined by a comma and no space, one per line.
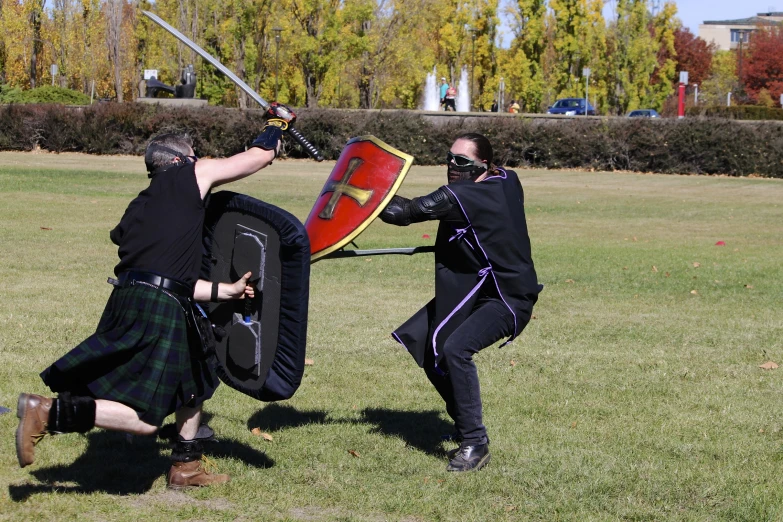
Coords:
165,283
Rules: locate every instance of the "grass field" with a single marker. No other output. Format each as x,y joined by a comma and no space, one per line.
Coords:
635,394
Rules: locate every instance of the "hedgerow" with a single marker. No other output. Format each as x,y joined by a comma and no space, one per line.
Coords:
687,146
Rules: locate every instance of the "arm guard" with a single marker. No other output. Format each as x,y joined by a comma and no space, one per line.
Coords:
403,212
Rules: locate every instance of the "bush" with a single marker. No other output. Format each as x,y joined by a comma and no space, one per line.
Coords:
45,94
689,146
737,112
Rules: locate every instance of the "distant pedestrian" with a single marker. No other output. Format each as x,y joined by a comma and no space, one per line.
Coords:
444,86
451,99
494,107
514,107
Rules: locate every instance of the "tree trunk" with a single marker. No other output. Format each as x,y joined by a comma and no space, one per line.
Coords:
114,41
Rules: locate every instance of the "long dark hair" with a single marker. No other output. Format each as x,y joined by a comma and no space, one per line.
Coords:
483,148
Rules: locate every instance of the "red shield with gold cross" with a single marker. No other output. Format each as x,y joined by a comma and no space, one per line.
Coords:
365,178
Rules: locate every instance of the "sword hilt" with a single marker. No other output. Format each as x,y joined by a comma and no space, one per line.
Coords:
309,147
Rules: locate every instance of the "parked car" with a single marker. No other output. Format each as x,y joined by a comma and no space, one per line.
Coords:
571,107
644,113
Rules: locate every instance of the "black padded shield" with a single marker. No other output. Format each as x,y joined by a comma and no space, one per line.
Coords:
262,353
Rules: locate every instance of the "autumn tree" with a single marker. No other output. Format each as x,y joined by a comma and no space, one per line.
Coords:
663,28
763,67
632,57
522,70
693,54
722,80
314,41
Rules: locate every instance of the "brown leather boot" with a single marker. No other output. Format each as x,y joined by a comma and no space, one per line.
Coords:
192,474
33,413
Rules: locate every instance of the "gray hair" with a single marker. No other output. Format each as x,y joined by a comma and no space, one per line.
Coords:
161,148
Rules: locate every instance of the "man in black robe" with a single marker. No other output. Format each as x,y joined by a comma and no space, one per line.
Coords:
485,283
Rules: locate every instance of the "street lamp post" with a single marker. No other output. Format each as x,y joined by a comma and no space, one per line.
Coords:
586,74
277,31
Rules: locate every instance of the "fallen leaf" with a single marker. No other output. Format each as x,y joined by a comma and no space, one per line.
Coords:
655,268
668,274
46,228
748,286
509,509
267,436
256,431
368,260
309,362
569,280
354,453
720,243
573,425
625,268
634,238
94,201
694,292
696,265
426,479
534,317
425,236
441,481
513,363
761,430
769,365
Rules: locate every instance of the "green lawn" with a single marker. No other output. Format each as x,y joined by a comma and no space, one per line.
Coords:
635,394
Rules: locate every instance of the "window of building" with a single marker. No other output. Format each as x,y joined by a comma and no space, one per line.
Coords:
740,35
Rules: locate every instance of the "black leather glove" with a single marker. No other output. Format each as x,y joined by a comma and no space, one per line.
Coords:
278,119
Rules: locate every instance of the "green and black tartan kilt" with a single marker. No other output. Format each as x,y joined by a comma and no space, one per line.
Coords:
143,354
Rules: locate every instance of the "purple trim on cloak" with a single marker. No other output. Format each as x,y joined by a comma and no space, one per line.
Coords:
397,338
495,279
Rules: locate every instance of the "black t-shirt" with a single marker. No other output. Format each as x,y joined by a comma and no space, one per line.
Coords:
161,230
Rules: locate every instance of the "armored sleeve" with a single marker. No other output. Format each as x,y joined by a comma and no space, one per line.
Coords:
437,205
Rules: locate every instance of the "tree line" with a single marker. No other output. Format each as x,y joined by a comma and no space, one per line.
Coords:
365,53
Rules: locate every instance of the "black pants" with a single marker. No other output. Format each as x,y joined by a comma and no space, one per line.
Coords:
459,388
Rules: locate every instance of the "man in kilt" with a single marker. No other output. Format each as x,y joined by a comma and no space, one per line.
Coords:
146,360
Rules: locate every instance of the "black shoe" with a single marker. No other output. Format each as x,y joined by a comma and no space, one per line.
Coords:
469,458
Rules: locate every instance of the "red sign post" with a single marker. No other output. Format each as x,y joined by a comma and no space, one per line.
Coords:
681,100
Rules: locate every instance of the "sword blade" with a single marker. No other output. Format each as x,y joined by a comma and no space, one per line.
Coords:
208,57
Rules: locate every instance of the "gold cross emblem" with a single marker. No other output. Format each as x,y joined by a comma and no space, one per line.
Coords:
340,188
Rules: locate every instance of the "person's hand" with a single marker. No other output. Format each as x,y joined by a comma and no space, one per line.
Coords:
240,289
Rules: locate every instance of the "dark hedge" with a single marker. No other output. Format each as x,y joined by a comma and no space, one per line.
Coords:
688,146
738,112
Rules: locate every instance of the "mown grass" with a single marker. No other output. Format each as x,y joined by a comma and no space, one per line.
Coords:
635,394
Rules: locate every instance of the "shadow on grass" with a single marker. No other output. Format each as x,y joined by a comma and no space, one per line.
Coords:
279,416
115,466
419,429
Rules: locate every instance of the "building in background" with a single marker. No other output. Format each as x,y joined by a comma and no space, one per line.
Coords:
727,34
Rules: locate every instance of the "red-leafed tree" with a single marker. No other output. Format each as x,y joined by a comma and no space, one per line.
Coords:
693,55
763,67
